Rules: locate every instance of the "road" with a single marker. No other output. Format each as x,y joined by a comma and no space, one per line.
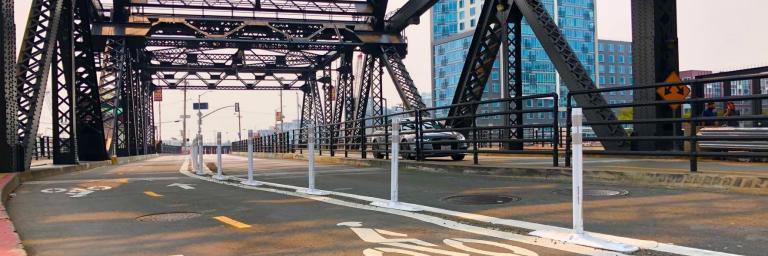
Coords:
109,211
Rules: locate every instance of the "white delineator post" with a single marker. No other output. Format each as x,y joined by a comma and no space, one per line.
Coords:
250,180
200,155
311,170
219,169
394,201
578,236
193,154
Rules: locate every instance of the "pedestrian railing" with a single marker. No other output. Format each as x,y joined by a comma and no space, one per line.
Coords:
681,129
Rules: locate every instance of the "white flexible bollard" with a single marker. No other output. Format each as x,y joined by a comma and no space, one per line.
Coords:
250,181
219,169
311,169
201,154
193,154
577,235
394,201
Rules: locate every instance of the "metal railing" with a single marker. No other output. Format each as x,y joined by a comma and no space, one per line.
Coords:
680,133
425,136
43,148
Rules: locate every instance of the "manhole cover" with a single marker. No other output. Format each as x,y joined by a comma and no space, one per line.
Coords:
168,217
480,199
595,192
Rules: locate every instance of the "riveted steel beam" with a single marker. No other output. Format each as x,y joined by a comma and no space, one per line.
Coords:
8,122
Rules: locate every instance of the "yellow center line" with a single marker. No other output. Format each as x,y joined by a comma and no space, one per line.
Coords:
232,222
152,194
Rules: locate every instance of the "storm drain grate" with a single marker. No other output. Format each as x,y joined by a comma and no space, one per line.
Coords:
595,192
480,199
168,217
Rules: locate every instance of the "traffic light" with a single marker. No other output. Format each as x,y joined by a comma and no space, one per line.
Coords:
237,107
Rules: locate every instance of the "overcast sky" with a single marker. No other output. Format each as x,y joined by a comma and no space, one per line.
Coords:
713,36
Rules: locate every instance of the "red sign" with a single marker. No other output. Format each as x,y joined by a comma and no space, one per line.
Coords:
278,116
158,94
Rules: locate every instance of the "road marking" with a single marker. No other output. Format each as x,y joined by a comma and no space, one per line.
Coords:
645,244
182,185
53,190
79,192
450,224
231,222
123,180
152,194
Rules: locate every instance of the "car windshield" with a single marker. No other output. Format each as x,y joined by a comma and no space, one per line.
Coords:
424,126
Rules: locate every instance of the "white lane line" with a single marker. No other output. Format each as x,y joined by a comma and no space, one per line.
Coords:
644,244
547,243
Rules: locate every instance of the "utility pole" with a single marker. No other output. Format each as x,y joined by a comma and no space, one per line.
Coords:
160,120
239,123
184,117
282,121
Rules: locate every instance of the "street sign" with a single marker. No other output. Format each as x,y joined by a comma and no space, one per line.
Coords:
158,94
200,106
673,92
185,116
278,116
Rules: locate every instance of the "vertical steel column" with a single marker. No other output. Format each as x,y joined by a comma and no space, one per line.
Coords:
307,107
8,122
91,145
513,80
121,135
377,93
33,66
345,105
757,105
63,105
362,98
326,134
654,57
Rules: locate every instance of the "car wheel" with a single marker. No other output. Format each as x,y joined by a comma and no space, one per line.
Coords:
406,156
376,152
457,157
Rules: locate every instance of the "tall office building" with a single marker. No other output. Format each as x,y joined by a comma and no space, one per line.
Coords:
615,68
453,24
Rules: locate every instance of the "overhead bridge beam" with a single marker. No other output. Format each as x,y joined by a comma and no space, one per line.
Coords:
408,14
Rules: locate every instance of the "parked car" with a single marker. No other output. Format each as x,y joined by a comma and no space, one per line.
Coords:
432,140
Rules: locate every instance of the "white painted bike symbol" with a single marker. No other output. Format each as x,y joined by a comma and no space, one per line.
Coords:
76,192
398,243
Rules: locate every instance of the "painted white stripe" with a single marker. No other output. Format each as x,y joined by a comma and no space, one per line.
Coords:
422,217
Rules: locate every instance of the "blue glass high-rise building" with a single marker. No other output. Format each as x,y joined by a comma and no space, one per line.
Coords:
453,24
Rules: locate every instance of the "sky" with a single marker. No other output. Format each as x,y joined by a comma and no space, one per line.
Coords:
713,36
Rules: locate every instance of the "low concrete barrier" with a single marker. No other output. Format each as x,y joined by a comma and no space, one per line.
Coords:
737,182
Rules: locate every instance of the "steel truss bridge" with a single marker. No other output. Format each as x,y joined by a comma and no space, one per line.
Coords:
105,58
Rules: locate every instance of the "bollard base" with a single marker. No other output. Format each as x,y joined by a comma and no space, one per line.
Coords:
396,206
313,192
585,240
251,183
220,177
200,172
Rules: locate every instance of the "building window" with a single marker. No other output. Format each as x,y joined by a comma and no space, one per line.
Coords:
601,58
621,59
611,59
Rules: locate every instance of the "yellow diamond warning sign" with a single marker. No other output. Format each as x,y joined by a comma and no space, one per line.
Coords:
673,92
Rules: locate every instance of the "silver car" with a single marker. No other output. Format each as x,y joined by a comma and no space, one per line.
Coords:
432,140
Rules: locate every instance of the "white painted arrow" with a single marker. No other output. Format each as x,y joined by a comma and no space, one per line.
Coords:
181,185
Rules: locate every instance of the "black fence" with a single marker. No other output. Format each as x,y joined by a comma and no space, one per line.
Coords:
43,148
687,131
370,136
684,133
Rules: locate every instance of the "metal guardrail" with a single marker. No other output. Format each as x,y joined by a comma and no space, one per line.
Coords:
43,148
680,141
371,135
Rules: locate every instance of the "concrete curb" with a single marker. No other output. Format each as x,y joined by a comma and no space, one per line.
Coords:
10,242
735,182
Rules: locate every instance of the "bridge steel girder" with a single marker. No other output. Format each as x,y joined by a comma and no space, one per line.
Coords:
91,145
8,122
63,104
33,67
313,7
484,49
344,108
408,15
511,64
404,84
655,55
